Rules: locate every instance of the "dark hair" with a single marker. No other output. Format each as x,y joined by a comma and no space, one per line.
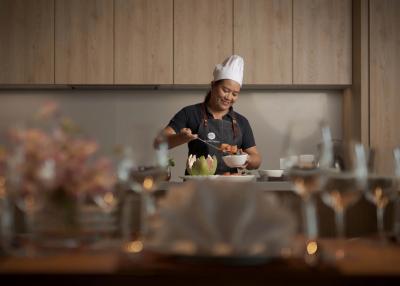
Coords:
208,95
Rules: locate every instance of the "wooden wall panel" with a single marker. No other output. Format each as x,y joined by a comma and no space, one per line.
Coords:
143,41
26,42
84,42
322,42
263,37
384,78
203,37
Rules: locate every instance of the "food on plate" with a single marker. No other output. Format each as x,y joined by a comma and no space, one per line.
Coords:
201,166
231,149
231,174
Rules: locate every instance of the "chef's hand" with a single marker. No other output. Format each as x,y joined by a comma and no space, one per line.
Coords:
187,135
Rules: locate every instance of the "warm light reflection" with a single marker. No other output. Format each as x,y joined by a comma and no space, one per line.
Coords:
300,186
286,252
30,203
134,246
2,187
378,193
222,249
312,247
339,254
148,183
109,198
380,198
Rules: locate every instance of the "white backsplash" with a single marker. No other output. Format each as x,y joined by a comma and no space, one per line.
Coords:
116,116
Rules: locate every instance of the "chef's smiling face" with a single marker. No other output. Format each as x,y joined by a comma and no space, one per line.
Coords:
224,94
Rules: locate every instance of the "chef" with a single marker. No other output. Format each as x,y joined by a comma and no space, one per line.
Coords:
215,121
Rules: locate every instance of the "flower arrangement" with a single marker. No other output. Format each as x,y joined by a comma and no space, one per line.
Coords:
52,157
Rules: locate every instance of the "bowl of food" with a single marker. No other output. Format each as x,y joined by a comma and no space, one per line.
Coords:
235,161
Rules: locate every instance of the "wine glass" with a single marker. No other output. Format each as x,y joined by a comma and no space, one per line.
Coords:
147,166
303,165
396,223
381,186
344,184
26,193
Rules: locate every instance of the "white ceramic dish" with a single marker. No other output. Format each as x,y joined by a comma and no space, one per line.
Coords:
237,178
270,173
189,177
235,161
233,178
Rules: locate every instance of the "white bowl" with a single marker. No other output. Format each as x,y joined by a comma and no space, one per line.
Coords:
270,173
235,161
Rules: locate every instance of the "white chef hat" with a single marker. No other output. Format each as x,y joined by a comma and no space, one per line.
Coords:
231,68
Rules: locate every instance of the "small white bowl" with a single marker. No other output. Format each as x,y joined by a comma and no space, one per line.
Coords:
270,173
235,161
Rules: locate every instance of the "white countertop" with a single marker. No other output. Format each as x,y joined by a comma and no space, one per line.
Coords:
263,185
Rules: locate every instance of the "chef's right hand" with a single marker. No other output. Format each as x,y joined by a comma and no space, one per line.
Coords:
187,135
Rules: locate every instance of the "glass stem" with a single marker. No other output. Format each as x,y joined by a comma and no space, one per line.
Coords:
340,224
310,218
380,211
143,214
126,220
396,224
31,232
147,210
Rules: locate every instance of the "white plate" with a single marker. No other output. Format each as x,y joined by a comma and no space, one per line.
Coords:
189,177
243,178
270,173
238,178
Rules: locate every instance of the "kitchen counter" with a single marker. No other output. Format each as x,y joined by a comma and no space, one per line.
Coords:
262,185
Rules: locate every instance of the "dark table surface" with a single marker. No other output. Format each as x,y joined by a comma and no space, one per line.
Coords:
367,262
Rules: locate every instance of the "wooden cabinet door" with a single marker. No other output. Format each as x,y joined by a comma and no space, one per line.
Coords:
202,38
384,79
263,37
143,42
84,42
26,42
322,32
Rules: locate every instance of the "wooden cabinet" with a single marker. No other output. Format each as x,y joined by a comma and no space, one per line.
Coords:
263,36
26,42
283,42
84,42
384,78
203,37
322,42
143,42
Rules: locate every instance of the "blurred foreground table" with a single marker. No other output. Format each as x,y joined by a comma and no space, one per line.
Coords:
367,263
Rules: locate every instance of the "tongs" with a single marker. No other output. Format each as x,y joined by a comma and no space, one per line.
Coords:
211,145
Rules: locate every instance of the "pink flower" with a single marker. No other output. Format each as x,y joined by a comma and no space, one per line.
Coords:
48,110
58,159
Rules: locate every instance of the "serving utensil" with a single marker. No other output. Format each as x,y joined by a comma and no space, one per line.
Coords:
211,145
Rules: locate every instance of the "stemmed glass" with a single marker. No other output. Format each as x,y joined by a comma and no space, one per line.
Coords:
344,184
304,171
396,223
147,166
382,183
25,193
